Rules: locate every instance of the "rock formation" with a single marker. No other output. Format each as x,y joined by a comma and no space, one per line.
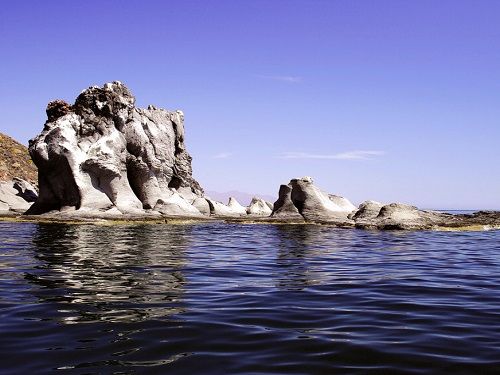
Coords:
104,157
233,208
302,197
259,207
103,153
16,196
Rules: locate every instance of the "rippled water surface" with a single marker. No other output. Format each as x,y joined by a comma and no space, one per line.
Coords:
247,299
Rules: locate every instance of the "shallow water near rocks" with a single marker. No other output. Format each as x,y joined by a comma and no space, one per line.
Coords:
219,298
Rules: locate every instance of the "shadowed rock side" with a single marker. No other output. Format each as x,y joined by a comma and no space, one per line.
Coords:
104,154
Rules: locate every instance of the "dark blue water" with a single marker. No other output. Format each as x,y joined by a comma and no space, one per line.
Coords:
247,299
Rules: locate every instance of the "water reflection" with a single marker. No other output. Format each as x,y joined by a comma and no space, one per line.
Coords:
110,273
296,246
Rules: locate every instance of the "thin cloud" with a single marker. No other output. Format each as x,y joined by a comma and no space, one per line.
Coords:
287,79
349,155
222,155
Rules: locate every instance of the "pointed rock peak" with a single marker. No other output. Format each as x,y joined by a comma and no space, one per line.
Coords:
233,202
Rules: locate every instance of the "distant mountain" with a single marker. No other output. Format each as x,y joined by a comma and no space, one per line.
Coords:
15,161
242,197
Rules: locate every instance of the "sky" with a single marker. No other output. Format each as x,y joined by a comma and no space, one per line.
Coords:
396,101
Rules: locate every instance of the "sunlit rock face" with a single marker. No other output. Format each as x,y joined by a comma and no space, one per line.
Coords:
259,207
103,153
233,208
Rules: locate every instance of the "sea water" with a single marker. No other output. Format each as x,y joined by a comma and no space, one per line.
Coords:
220,298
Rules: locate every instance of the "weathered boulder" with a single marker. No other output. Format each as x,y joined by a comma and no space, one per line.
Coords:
201,204
368,210
104,153
302,196
259,207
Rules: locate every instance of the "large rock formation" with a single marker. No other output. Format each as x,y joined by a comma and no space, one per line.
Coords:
302,197
103,157
103,153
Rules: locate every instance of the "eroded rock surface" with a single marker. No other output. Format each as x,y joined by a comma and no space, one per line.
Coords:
103,153
302,197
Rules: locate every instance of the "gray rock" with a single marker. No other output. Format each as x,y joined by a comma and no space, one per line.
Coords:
343,203
259,207
202,205
399,216
15,196
25,190
368,210
235,206
220,209
284,207
103,153
176,205
302,197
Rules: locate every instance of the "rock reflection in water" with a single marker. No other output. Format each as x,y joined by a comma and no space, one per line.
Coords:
297,245
110,273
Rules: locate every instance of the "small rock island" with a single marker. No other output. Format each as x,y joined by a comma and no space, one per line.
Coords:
104,158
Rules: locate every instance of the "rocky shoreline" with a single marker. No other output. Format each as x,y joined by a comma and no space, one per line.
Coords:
104,160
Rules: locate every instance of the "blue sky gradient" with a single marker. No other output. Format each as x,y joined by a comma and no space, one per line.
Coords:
385,100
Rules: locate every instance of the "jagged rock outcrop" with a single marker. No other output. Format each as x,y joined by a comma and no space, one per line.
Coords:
103,153
303,197
259,207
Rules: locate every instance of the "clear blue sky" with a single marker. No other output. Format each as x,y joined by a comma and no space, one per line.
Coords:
386,100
